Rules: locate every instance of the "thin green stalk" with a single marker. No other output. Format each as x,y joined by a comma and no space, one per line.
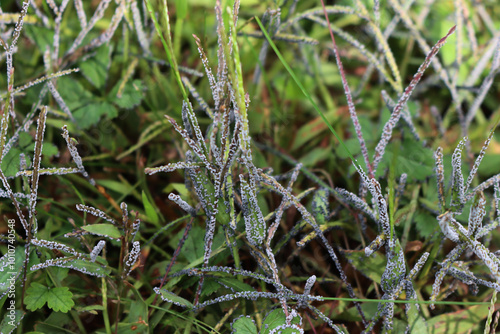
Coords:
425,302
167,43
105,314
392,189
304,91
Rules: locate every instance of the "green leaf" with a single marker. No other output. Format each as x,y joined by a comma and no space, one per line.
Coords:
95,69
55,323
10,163
117,186
209,287
459,322
73,93
139,327
277,318
416,321
48,149
353,146
173,298
138,309
413,159
426,224
60,299
315,156
43,37
10,320
87,267
313,129
36,296
194,246
244,325
255,226
320,206
181,7
150,210
90,114
234,284
105,230
179,187
372,267
10,270
131,94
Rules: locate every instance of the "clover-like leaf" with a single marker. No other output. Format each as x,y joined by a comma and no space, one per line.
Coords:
36,296
129,96
60,299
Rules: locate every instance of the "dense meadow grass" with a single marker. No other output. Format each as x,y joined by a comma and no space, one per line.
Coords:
278,166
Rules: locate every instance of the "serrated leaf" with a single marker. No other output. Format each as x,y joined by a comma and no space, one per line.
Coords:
277,318
413,159
60,299
73,93
36,296
105,230
150,210
131,95
90,114
95,69
10,321
244,325
10,162
209,287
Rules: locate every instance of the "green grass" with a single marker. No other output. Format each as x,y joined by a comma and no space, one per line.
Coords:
244,173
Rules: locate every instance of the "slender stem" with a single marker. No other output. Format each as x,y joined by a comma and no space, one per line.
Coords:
105,314
174,257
